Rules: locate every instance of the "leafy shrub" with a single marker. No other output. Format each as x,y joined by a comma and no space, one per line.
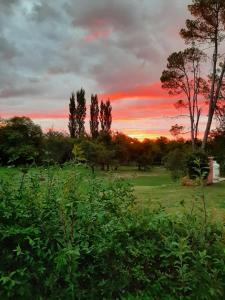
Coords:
66,235
175,163
197,164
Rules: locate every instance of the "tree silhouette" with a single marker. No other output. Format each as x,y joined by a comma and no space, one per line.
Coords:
106,116
81,112
94,114
208,29
72,117
183,77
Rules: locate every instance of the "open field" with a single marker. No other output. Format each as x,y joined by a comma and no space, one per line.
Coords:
152,188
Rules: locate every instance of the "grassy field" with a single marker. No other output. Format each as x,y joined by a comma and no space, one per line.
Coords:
154,188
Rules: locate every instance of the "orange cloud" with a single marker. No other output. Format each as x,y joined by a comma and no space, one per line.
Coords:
150,91
144,110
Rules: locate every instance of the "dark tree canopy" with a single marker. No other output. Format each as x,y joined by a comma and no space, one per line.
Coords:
20,141
208,22
94,114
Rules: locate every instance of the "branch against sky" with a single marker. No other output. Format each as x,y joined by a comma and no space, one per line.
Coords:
208,28
183,77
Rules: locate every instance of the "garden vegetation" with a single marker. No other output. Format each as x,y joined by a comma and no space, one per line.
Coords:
65,234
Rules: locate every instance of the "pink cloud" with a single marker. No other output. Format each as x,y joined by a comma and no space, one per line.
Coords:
150,91
98,33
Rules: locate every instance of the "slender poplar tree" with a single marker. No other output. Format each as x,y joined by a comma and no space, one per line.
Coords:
101,117
72,116
94,114
81,112
106,116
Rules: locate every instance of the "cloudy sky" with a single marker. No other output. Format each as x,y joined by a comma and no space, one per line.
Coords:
115,48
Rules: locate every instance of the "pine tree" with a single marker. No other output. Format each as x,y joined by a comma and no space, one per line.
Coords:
94,114
81,112
72,116
207,28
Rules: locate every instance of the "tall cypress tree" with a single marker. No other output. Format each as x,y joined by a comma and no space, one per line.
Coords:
94,113
102,116
81,112
106,116
72,116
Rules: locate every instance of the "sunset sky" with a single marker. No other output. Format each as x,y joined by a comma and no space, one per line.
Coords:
115,48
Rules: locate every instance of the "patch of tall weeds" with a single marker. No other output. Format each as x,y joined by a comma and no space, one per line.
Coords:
75,236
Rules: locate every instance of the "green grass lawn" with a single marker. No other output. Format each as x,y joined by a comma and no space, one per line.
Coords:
153,188
156,188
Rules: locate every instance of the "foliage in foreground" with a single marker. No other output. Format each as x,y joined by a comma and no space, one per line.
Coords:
78,237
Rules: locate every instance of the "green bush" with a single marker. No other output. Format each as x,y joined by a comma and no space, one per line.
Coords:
197,165
175,163
77,237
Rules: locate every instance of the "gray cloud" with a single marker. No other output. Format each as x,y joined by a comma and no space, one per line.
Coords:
7,5
12,92
7,50
49,48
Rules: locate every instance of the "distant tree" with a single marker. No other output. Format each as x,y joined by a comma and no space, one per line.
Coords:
122,147
208,29
58,147
142,153
21,141
145,157
106,116
182,77
81,113
72,117
105,156
91,153
94,114
102,116
175,162
161,143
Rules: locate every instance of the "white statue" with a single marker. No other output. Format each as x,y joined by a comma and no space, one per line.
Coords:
216,171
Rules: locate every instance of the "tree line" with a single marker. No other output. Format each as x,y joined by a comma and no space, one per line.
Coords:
23,142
